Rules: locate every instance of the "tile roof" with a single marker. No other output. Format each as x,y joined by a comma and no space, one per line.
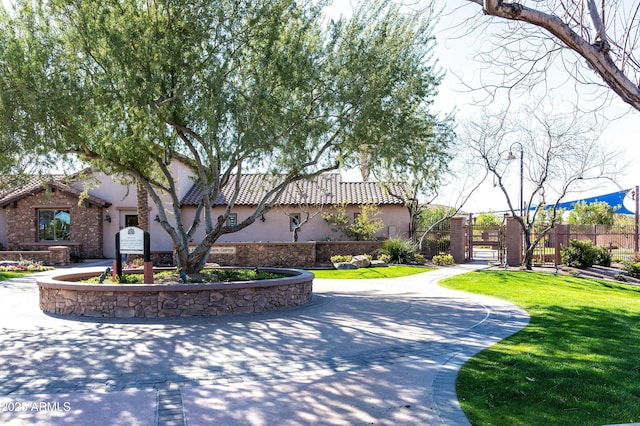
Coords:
14,190
324,189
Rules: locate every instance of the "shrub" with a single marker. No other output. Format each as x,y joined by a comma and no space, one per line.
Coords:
442,259
603,256
385,258
419,259
341,258
399,250
583,254
633,269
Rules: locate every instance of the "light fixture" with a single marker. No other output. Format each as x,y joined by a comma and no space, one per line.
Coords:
262,219
157,219
107,218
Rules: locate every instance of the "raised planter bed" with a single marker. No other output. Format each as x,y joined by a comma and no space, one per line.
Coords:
64,294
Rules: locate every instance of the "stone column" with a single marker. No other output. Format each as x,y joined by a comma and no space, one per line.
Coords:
458,241
513,242
559,238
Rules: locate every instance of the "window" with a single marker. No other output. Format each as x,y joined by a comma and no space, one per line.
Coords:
54,225
232,220
130,220
294,221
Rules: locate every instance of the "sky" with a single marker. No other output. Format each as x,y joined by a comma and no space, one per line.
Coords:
455,53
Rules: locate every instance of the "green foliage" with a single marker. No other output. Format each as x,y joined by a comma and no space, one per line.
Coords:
362,228
488,219
598,213
431,215
603,256
206,275
419,259
130,279
399,250
229,87
339,258
632,268
385,258
442,259
583,254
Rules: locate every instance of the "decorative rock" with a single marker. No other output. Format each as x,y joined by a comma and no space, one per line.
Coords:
360,261
345,265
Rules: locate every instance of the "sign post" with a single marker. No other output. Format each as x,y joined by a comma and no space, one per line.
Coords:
133,240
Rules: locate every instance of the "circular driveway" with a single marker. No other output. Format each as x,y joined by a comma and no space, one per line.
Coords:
382,351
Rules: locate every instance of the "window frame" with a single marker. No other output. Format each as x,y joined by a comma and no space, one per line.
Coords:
294,218
42,227
232,219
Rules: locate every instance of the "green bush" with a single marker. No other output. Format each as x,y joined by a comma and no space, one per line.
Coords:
442,259
399,250
419,259
583,254
579,254
603,256
633,269
385,258
339,258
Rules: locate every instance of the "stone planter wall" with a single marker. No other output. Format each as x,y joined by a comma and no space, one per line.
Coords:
54,255
60,296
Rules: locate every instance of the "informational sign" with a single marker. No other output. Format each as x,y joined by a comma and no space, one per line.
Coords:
223,250
132,240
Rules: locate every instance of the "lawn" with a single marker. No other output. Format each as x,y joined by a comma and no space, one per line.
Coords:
576,363
8,275
392,271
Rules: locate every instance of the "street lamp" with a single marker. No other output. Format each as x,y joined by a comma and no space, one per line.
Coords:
513,157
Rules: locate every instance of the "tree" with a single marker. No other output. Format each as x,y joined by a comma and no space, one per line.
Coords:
363,226
598,213
488,219
561,154
605,36
226,87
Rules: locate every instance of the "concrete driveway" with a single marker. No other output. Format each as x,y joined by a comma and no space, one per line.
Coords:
382,352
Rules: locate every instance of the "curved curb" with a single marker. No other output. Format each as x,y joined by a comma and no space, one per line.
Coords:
503,320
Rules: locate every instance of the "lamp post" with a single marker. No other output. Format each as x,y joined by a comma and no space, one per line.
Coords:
513,157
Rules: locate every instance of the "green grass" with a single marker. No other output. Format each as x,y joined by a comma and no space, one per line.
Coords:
576,363
392,271
8,275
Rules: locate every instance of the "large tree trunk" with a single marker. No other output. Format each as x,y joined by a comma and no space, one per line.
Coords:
143,207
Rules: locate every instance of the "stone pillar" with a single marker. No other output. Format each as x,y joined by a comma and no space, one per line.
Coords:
513,242
560,238
458,241
60,255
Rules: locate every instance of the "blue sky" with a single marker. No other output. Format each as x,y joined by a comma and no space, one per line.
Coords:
455,54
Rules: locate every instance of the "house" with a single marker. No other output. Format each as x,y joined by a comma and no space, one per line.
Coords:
87,209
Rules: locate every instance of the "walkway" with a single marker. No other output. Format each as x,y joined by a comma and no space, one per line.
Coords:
382,352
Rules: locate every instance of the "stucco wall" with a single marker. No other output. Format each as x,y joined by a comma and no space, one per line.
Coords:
276,226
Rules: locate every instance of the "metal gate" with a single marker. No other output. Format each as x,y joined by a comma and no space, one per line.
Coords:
485,242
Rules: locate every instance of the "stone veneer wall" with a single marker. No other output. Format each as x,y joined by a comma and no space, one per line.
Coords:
86,224
326,249
177,300
288,255
54,256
